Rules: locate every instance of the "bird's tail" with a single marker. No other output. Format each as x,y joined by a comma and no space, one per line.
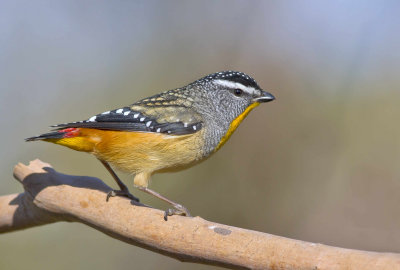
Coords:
58,134
50,135
69,137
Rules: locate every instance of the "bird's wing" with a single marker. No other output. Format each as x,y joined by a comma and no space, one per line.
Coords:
144,117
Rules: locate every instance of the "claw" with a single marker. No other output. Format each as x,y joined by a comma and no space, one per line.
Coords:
110,194
122,193
178,209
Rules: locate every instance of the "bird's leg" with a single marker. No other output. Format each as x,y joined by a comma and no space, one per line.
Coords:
178,208
124,191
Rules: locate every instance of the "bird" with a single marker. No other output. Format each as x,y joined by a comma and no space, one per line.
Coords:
167,132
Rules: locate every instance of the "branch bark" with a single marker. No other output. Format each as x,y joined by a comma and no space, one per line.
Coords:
51,197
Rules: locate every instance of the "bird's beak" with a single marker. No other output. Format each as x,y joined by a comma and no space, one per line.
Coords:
264,97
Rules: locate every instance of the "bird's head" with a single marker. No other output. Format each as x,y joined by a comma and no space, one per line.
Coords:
230,94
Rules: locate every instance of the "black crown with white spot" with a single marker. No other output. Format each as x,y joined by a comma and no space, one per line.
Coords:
233,76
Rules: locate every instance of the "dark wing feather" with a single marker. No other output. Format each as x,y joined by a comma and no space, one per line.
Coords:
126,119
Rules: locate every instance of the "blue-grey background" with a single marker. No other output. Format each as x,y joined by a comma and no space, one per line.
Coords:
321,163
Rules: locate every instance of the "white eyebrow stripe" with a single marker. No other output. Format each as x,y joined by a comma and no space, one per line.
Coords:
234,85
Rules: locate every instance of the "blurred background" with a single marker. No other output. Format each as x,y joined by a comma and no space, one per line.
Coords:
321,163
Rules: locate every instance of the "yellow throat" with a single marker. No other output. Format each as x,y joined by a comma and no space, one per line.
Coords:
235,123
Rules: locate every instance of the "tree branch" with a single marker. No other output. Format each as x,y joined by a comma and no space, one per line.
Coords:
51,196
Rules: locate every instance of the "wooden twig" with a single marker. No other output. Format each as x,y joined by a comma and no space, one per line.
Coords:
51,196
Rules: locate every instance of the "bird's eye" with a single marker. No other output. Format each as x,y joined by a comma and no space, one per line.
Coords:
238,92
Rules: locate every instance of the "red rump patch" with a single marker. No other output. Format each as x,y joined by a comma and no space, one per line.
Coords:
70,132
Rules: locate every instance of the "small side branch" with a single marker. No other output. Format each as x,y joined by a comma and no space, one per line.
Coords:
51,197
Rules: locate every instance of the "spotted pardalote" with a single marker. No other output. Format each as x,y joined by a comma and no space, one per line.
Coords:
166,132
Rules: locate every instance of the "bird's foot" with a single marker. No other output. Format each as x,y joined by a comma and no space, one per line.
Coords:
178,209
122,193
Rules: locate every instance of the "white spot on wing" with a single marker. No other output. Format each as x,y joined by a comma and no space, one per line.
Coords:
148,124
127,112
119,110
107,112
158,129
136,115
142,119
92,119
194,127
